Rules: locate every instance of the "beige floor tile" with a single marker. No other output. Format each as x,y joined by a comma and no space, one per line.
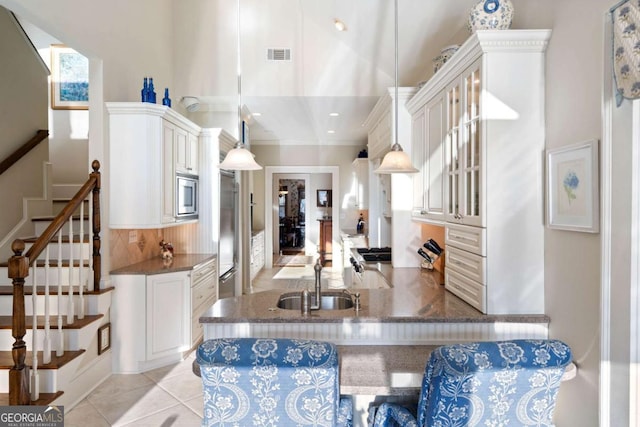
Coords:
176,416
118,383
126,407
83,415
182,387
182,368
196,405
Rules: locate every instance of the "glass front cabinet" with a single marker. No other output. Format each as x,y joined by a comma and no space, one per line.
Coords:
478,140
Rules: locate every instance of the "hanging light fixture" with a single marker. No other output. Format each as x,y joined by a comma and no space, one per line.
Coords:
239,158
283,190
396,160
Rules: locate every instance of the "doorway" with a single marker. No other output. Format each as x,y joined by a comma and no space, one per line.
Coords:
292,215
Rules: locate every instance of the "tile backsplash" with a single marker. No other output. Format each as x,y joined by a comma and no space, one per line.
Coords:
147,243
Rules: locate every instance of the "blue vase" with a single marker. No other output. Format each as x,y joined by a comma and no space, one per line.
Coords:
166,100
144,93
152,93
490,15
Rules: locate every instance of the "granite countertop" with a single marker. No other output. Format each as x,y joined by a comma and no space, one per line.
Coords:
180,262
416,296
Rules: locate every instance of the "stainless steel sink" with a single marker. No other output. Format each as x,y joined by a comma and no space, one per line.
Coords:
330,300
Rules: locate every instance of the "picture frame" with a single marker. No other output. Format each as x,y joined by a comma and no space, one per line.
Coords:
104,338
324,199
573,182
69,79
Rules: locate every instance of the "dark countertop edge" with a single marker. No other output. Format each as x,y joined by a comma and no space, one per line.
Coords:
531,319
180,262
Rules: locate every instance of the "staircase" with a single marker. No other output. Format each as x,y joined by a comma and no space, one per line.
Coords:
53,282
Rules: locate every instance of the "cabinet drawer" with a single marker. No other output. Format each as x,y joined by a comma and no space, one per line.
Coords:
469,290
469,264
203,291
202,271
472,239
197,330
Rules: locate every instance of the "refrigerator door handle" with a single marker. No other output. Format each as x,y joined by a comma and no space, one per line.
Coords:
226,276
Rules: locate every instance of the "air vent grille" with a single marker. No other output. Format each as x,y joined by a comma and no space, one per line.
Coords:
278,54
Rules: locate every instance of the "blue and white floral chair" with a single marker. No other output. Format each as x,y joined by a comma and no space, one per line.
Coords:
271,382
503,383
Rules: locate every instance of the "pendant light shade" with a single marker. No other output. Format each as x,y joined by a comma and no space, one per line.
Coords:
239,159
396,160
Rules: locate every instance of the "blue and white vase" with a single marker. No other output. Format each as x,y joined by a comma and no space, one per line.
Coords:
490,15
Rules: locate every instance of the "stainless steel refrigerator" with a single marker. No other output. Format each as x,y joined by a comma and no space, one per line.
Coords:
227,247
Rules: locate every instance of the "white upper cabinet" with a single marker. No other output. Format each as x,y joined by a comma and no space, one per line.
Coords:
478,138
361,183
143,145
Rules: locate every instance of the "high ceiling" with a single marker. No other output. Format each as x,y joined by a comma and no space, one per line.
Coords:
332,71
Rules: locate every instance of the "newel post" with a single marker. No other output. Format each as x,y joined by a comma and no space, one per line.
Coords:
95,199
19,373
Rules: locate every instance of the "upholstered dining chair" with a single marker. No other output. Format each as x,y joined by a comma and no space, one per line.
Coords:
500,383
271,382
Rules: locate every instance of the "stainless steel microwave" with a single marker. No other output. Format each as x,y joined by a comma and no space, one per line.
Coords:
186,196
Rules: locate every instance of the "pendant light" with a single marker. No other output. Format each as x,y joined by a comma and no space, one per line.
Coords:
239,158
396,160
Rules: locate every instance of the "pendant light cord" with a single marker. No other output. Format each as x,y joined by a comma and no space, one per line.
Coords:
395,100
239,71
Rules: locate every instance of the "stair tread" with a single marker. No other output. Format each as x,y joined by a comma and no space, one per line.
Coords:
6,359
6,321
53,263
52,217
65,239
45,398
53,290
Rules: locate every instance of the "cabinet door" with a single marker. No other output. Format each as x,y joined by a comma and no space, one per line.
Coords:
192,154
418,142
452,151
168,176
361,183
168,314
434,159
181,143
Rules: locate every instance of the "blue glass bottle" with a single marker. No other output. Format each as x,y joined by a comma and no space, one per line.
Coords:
166,100
152,93
144,93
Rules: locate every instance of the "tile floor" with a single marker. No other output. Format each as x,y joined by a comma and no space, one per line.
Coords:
172,396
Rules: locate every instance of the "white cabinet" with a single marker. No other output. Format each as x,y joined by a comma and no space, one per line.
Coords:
204,293
186,152
168,314
491,95
361,183
428,155
257,253
142,147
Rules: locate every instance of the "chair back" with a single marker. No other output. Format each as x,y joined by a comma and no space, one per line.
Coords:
493,383
250,381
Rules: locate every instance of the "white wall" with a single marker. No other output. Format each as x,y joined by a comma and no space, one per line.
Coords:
572,259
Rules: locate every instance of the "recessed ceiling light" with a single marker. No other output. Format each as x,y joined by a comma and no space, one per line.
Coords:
339,25
331,131
334,114
256,114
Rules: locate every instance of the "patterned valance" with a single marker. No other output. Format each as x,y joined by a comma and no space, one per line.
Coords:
626,49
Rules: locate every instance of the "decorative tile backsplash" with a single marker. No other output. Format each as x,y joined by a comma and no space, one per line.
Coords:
147,245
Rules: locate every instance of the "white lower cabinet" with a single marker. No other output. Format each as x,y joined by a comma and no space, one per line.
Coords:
257,253
168,314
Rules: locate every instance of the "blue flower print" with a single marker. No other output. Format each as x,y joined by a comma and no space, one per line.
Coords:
570,184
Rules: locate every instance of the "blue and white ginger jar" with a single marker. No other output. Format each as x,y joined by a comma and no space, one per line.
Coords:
490,15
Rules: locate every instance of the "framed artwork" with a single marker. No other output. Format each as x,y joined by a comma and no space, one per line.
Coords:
104,338
573,187
324,198
69,79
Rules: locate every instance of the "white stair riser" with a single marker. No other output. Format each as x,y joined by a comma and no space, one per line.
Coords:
79,249
51,380
6,304
40,226
72,339
53,276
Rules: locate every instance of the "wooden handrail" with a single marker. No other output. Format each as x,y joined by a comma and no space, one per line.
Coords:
19,269
40,136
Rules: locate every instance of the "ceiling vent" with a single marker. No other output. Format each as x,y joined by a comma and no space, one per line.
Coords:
278,54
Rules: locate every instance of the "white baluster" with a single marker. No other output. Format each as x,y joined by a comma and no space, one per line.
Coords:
70,308
90,285
81,266
35,377
46,345
60,347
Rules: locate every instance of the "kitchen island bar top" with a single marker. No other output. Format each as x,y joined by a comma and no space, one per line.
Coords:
180,262
416,296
